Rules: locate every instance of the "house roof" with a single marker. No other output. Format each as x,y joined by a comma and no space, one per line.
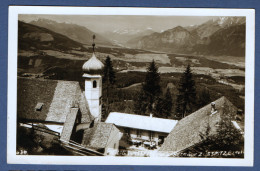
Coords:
56,97
97,137
188,130
141,122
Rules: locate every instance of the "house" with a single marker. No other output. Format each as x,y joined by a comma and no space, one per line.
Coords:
142,128
103,137
187,132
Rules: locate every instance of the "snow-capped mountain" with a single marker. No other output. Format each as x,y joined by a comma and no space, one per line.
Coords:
123,35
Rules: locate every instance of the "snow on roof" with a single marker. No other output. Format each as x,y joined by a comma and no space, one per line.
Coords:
141,122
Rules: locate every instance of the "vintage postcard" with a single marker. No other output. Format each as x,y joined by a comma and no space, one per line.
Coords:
130,86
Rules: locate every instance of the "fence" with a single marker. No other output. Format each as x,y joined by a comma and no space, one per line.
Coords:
79,149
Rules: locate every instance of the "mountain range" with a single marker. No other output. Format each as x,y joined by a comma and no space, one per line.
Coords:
223,36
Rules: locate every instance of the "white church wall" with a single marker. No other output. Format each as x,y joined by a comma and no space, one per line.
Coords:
93,95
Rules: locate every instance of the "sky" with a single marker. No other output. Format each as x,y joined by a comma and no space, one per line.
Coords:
102,23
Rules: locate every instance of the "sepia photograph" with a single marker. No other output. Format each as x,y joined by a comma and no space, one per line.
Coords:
132,85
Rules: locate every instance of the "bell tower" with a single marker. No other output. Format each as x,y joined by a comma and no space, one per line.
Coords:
93,83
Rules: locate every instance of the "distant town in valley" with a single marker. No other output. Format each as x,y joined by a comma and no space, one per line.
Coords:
139,86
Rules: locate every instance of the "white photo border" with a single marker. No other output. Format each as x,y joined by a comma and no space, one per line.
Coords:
12,158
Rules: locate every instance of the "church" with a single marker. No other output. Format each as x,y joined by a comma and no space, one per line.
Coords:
62,108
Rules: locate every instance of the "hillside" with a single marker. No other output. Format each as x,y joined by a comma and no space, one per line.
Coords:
36,38
75,32
223,36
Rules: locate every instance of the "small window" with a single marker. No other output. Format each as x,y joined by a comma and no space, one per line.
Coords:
151,135
127,131
138,133
94,84
38,107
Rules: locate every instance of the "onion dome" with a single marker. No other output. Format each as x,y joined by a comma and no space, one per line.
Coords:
93,65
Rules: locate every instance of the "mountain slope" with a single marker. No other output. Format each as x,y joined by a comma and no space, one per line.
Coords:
31,37
210,27
75,32
229,41
176,40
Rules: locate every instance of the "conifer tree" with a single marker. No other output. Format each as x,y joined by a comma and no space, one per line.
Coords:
164,105
203,98
227,137
151,89
141,103
109,79
186,98
178,110
151,86
167,107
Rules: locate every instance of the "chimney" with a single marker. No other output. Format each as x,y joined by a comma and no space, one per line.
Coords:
151,115
213,108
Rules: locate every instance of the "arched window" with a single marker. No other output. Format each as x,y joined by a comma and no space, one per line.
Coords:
94,84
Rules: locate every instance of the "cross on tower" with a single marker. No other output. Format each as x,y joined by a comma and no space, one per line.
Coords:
93,44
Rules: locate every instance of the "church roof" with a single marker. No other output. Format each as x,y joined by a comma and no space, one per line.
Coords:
45,100
188,130
141,122
93,65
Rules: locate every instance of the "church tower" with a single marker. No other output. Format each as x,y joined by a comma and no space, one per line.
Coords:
93,84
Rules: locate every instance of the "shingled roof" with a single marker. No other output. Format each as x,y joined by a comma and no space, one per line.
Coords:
49,100
98,136
188,130
69,124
